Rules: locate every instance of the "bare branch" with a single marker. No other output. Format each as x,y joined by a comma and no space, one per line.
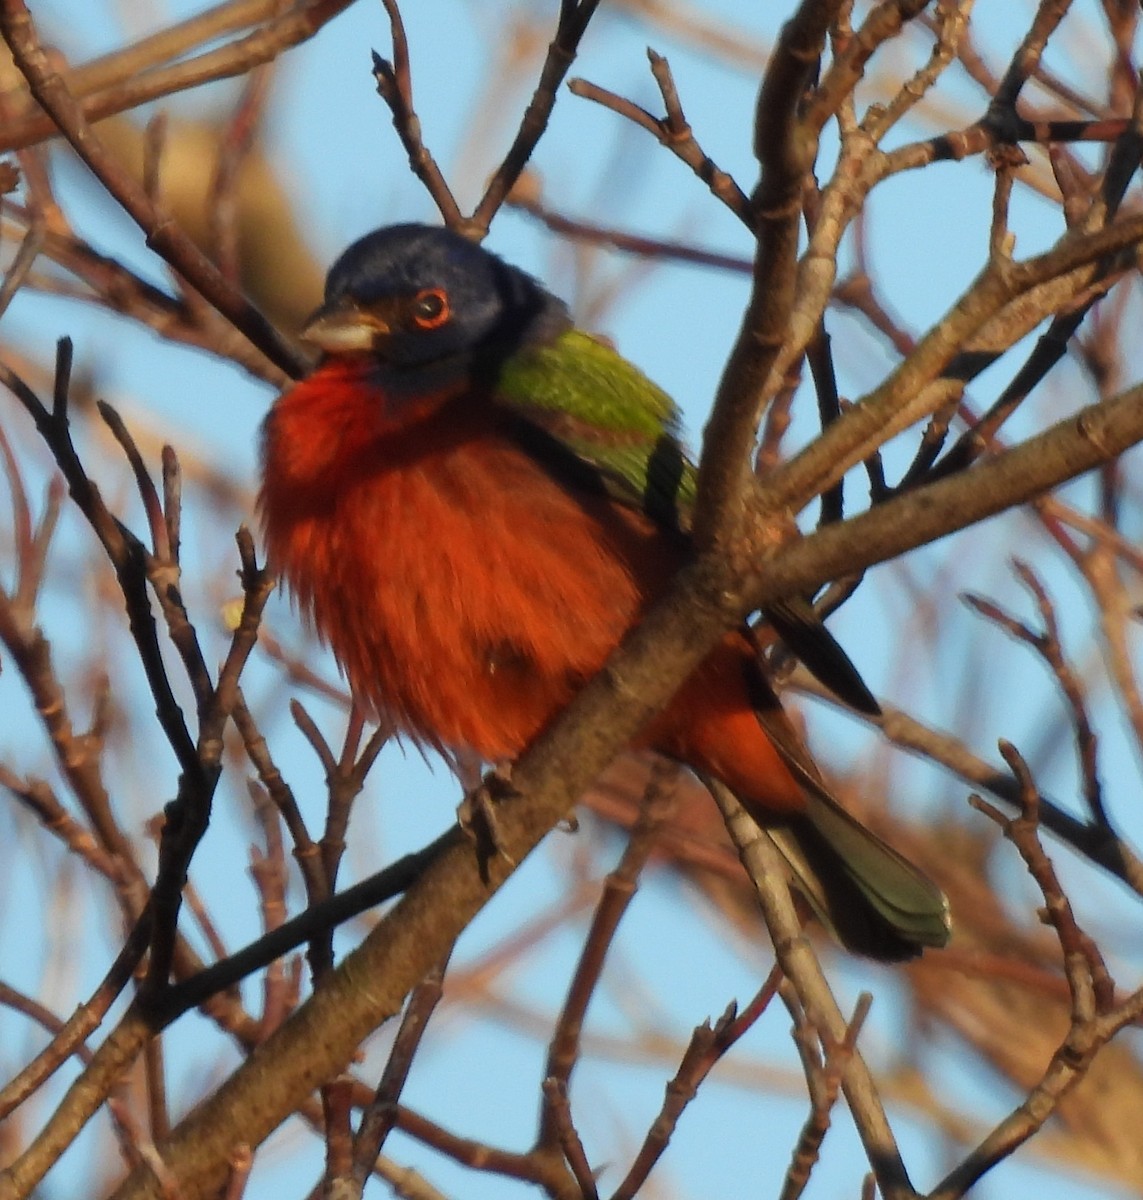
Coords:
163,235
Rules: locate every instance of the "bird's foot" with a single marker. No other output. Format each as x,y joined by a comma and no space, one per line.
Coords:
477,815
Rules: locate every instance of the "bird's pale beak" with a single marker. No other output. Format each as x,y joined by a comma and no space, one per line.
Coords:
343,328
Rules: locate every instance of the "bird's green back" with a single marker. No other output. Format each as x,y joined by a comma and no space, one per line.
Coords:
609,415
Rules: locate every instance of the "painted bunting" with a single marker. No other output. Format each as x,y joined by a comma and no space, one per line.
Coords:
473,501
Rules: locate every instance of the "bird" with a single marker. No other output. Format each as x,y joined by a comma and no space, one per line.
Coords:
472,500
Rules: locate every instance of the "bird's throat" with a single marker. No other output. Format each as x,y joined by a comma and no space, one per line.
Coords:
324,425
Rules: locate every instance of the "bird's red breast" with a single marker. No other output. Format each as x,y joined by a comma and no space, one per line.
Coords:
465,592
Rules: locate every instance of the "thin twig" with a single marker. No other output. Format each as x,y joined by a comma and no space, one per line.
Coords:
619,890
163,235
673,132
799,964
1047,644
707,1046
395,87
575,15
1095,1015
380,1116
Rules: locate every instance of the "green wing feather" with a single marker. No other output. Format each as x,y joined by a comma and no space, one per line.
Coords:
611,418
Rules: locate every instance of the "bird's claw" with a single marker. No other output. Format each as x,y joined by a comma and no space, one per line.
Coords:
477,815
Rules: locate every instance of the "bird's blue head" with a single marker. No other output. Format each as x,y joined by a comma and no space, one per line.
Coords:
419,297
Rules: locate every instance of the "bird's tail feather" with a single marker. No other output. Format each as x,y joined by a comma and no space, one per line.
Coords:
807,638
872,899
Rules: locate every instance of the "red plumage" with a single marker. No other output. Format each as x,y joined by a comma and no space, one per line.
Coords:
466,594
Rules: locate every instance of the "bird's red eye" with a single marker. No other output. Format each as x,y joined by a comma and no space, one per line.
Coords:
430,308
